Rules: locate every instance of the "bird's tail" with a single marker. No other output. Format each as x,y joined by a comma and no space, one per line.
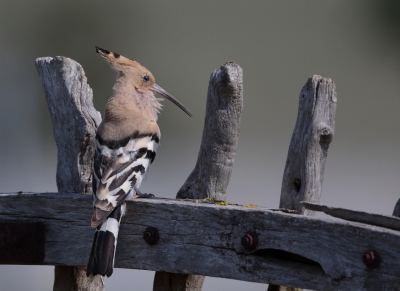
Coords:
102,256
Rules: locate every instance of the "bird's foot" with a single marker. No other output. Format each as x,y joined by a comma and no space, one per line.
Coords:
143,195
146,195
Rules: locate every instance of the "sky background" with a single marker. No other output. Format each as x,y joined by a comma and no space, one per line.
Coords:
279,44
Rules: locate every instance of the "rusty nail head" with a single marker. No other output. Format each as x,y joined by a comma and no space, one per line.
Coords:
250,240
371,259
151,235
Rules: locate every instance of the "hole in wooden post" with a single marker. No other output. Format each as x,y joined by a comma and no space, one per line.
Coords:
297,184
325,138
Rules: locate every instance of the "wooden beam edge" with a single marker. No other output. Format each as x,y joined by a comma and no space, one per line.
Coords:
189,245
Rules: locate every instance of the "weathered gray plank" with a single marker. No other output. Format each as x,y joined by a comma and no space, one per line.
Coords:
312,134
210,177
70,102
197,238
391,222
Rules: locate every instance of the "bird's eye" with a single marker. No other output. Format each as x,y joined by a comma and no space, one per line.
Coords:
146,78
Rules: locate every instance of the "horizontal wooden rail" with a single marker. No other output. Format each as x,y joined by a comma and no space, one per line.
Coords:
292,250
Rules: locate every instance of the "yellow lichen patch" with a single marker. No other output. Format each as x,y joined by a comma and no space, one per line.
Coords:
223,203
206,200
251,205
209,199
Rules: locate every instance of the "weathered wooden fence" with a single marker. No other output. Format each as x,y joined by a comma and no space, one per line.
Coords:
198,235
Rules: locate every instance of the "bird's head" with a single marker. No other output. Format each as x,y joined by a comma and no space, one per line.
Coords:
140,76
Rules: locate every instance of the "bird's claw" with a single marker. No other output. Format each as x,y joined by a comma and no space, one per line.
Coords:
146,195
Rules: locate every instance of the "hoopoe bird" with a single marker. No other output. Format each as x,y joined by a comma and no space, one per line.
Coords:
126,145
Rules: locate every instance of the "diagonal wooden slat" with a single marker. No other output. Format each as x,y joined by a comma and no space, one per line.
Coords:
391,222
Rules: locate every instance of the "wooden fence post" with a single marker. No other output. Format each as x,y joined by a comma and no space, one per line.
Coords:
210,177
70,102
75,120
396,210
308,150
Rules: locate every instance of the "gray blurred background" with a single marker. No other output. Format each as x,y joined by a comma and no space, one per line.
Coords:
279,44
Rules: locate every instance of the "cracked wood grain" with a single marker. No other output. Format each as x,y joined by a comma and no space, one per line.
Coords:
308,150
312,135
75,120
211,174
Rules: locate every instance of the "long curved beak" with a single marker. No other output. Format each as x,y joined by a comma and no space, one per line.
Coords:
162,92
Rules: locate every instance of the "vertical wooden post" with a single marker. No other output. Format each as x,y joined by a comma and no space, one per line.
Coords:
396,210
308,150
70,102
210,177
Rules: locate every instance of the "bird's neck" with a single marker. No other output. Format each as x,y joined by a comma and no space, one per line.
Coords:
128,101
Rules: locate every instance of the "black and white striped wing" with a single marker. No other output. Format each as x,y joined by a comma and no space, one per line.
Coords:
119,169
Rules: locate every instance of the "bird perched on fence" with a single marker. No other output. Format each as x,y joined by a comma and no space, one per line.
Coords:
126,144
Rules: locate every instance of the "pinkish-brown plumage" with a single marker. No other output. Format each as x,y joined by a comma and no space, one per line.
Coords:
126,144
